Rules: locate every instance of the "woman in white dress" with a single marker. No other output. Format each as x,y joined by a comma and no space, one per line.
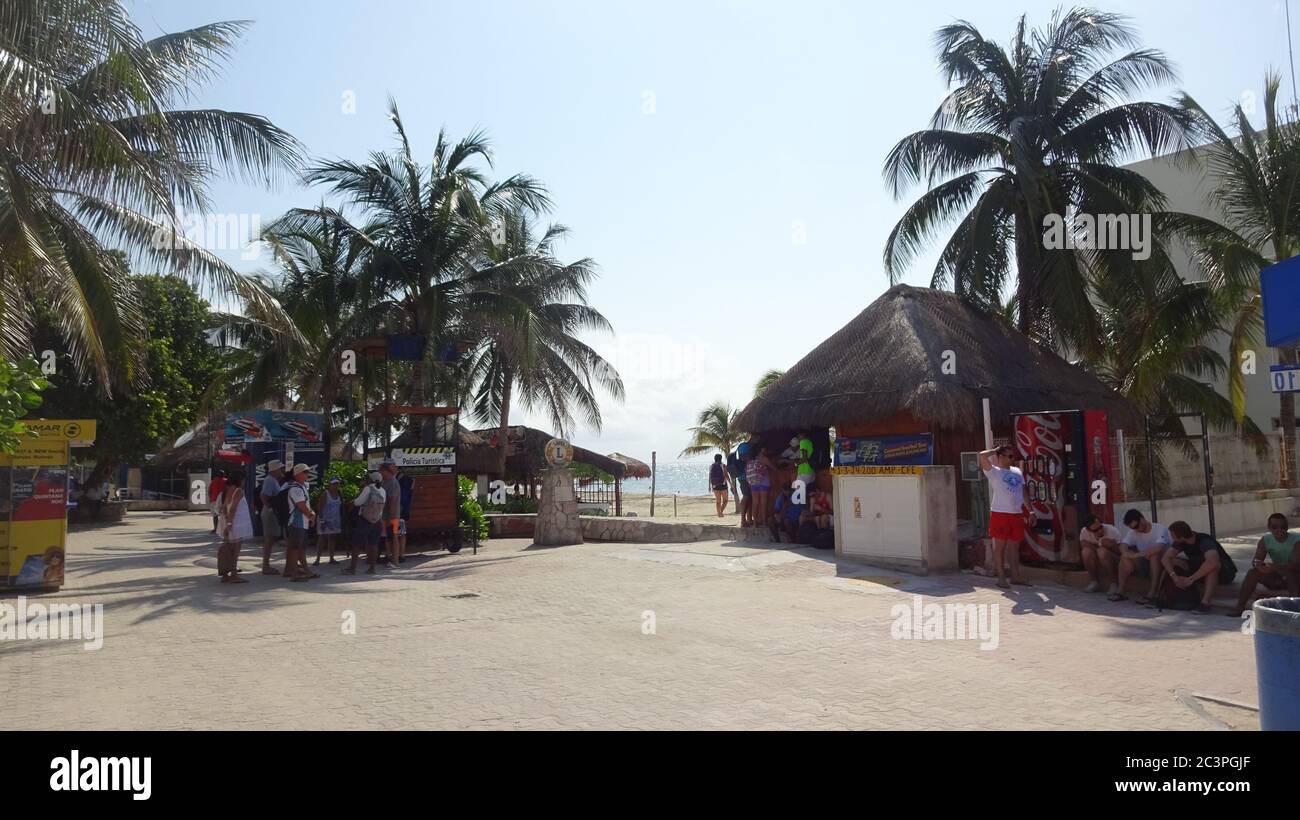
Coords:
237,528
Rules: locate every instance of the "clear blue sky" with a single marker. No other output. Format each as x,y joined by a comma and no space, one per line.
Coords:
738,213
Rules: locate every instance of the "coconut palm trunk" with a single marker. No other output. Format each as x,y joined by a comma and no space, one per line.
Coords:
503,428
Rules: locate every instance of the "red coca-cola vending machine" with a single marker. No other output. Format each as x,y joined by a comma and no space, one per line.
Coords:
1066,461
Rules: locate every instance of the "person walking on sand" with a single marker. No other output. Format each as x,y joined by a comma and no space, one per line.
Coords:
270,524
329,510
720,483
1007,503
236,528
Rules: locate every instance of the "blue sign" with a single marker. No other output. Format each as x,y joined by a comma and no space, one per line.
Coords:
274,425
1279,287
881,451
1285,378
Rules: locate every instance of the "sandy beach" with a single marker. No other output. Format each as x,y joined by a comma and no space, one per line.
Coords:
696,509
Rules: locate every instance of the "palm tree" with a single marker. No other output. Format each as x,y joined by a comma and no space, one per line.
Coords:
1030,131
1256,177
523,313
1156,351
322,288
426,228
715,429
766,380
92,151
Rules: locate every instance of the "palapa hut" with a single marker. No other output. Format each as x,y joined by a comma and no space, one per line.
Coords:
632,468
884,374
526,459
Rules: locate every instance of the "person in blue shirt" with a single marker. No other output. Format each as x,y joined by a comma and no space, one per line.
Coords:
787,516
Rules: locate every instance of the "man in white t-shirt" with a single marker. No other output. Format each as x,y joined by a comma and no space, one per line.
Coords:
1100,544
1007,504
1143,545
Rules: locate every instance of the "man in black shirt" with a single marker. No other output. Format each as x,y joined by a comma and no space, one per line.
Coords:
1195,556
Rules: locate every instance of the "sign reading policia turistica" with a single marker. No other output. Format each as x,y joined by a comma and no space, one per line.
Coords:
34,502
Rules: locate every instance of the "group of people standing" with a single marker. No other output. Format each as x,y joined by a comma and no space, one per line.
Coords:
758,473
1192,563
283,503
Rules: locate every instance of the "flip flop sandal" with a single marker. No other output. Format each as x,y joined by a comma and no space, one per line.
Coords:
1115,596
1145,601
269,571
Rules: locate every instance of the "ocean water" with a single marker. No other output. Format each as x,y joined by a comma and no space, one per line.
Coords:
683,477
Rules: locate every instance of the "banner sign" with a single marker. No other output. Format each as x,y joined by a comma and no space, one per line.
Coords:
916,449
34,503
425,459
285,426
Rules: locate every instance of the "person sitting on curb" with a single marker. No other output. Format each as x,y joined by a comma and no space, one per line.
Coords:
1099,544
1276,564
1196,556
1144,542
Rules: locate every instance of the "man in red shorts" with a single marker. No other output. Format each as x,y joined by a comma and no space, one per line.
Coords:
1007,502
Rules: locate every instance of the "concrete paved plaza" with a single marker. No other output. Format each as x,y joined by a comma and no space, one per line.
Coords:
741,637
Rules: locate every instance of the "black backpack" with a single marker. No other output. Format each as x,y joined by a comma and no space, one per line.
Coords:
1170,596
280,505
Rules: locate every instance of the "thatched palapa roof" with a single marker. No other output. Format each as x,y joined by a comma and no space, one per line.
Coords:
632,468
889,361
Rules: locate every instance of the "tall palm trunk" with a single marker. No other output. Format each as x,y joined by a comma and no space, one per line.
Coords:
1026,267
1286,411
504,427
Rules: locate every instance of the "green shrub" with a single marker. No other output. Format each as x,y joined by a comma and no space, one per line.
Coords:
351,476
469,515
514,505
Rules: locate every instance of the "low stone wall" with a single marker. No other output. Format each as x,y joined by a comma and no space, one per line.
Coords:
156,504
1234,512
511,525
648,531
109,513
628,530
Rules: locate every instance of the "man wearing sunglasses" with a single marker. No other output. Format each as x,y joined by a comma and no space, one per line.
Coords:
1100,544
1007,505
1143,545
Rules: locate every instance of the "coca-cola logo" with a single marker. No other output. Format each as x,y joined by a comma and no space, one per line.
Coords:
1040,441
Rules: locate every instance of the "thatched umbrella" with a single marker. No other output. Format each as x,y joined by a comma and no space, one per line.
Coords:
891,360
632,467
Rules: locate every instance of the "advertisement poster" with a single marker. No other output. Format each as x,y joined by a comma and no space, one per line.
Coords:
258,426
880,451
1096,434
1041,440
38,523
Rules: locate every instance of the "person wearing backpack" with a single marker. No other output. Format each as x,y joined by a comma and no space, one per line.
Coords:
271,527
301,516
1196,557
720,483
370,504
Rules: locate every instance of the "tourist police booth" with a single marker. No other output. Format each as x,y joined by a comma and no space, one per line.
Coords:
34,502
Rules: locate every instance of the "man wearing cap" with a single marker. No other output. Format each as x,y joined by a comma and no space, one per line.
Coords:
270,524
392,511
300,517
370,503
